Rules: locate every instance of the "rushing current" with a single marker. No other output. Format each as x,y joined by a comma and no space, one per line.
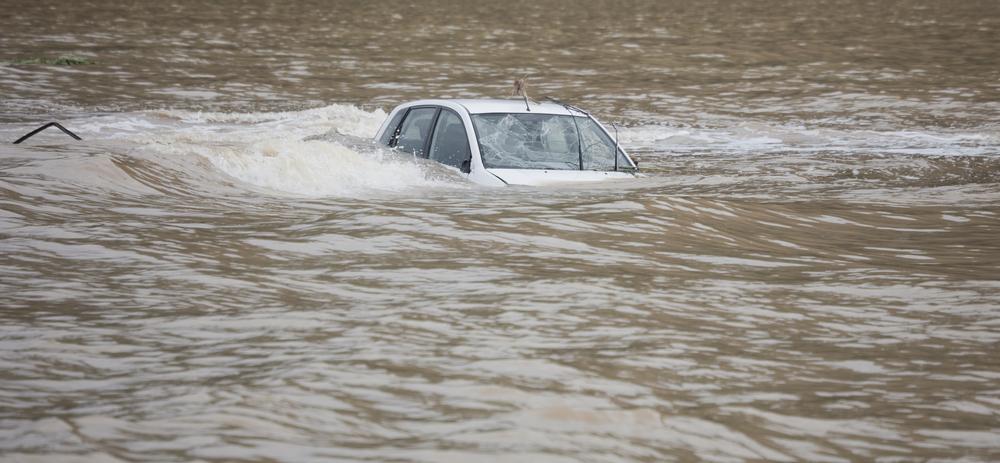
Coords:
225,268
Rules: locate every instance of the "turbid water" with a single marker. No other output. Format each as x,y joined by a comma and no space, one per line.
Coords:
224,269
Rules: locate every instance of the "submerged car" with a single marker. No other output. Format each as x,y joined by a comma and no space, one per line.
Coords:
508,142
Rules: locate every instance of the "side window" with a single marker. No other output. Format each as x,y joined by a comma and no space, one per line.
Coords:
450,145
390,130
416,127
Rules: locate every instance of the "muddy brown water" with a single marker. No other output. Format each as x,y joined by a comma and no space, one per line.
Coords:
225,270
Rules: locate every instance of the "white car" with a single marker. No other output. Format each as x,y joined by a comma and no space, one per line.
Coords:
508,142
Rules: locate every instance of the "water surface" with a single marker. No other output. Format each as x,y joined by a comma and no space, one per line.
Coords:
224,269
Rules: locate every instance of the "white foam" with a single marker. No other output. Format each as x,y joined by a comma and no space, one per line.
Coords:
317,152
755,138
345,119
318,168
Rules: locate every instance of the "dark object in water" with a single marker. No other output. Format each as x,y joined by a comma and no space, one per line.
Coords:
50,124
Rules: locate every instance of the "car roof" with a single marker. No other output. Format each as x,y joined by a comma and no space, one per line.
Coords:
485,106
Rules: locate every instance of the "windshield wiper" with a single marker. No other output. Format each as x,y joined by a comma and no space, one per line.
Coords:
571,108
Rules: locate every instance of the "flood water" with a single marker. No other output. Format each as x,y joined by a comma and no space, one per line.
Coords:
224,269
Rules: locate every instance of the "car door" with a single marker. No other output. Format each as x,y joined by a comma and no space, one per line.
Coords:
450,142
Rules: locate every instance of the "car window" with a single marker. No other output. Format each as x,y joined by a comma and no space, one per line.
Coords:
598,150
416,127
545,141
450,144
528,141
390,129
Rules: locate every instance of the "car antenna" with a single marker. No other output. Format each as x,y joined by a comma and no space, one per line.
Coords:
521,90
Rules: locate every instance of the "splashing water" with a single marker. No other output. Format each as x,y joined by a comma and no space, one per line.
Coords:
318,152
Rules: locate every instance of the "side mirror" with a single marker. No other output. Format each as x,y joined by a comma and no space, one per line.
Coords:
466,166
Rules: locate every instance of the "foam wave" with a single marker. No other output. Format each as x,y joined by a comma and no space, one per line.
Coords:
758,138
345,119
317,152
317,168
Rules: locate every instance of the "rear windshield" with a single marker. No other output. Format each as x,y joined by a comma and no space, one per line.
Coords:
544,141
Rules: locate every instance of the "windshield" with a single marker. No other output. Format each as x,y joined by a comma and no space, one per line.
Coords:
544,141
